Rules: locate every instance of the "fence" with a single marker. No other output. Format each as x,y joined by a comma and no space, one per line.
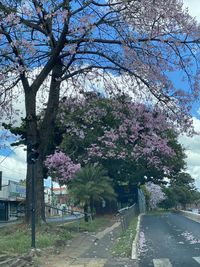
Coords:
141,201
127,214
62,215
52,211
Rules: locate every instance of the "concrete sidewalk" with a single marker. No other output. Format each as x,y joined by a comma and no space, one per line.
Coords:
90,250
101,250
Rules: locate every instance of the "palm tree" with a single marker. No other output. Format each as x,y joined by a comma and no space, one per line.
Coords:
91,184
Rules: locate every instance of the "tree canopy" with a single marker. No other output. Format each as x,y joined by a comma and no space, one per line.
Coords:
144,39
181,191
130,139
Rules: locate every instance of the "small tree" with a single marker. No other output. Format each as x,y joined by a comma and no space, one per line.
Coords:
91,184
181,191
156,194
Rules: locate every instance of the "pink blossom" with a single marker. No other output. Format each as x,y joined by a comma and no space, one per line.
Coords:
138,132
12,18
156,194
142,246
61,167
189,237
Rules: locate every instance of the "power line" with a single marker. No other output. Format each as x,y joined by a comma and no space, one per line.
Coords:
11,169
12,150
11,179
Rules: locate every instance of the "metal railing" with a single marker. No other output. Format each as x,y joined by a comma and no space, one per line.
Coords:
52,211
65,215
126,215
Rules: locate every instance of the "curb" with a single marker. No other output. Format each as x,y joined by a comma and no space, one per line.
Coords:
190,215
135,241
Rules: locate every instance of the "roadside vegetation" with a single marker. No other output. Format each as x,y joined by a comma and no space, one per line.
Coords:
123,245
158,211
99,224
16,238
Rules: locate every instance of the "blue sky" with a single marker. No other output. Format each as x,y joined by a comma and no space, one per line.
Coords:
192,145
13,160
6,151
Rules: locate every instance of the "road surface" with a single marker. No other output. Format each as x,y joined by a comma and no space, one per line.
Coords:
169,240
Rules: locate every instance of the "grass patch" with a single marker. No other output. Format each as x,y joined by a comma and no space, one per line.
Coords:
16,239
123,246
157,212
98,224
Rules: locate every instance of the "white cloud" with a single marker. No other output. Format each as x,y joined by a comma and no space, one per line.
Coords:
193,8
14,166
192,146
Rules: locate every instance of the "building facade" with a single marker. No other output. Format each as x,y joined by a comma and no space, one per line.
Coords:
12,201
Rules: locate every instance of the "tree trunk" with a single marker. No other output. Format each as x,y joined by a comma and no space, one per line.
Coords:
92,207
39,192
85,208
42,134
28,194
32,138
37,171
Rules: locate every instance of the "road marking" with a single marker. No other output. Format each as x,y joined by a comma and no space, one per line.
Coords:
95,264
90,264
197,259
87,262
162,263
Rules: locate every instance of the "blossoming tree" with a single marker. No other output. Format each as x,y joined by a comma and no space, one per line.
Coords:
156,194
61,167
46,42
130,139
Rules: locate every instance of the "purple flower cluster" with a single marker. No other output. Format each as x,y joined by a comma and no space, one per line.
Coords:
124,130
156,194
142,247
61,167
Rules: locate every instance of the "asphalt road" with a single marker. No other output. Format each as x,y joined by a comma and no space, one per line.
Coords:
169,240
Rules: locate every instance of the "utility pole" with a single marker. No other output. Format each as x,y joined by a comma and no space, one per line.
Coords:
33,207
0,180
32,155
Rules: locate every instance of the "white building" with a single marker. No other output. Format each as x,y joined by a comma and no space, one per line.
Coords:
12,198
